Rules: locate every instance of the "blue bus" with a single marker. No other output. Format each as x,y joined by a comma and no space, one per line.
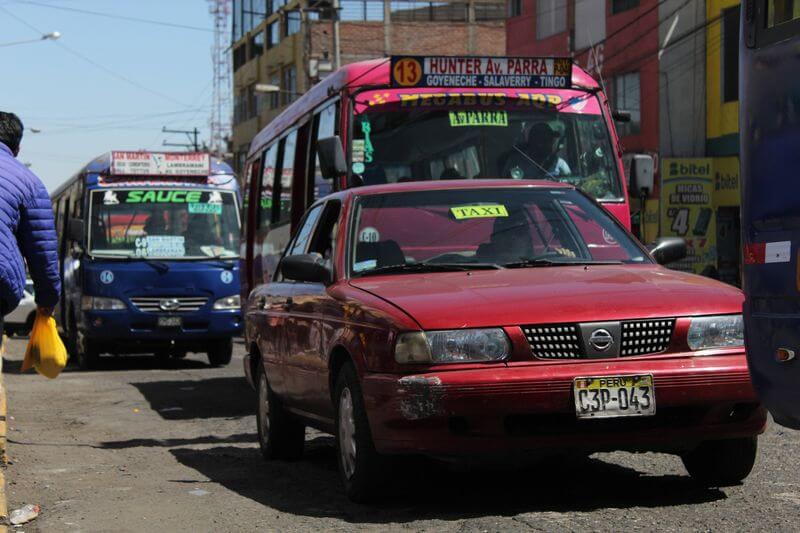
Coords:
769,125
148,247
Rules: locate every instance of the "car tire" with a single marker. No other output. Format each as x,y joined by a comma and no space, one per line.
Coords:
221,352
87,354
722,463
361,468
279,435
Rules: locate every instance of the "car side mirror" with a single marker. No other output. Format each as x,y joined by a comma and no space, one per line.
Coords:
332,161
668,250
305,267
76,231
641,174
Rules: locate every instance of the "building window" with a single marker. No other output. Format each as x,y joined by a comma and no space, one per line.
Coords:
292,23
359,10
414,11
551,17
618,6
486,12
275,97
730,54
514,8
781,11
274,34
256,45
239,57
289,85
627,97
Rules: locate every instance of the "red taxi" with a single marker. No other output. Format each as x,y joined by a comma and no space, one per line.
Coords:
459,318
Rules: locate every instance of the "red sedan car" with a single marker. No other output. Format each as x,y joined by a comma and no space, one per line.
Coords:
464,318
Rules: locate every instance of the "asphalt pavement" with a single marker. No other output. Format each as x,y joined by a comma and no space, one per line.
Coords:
144,446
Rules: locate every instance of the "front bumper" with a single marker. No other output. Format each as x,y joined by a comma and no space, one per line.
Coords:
132,331
531,406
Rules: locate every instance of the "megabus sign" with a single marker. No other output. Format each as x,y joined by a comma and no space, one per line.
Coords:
483,72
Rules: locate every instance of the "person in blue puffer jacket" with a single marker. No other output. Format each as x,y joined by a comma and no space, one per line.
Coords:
27,228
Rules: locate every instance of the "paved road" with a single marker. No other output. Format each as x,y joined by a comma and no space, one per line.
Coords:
136,447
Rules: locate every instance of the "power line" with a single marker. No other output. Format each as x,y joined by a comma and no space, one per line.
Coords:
624,27
118,17
94,63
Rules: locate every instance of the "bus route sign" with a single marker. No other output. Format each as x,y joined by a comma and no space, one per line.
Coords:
481,72
160,164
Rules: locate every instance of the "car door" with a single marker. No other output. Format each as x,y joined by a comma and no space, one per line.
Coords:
293,329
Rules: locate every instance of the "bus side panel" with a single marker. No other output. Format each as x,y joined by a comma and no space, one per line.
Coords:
770,157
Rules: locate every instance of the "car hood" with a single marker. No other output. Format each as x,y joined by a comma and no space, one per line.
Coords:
544,295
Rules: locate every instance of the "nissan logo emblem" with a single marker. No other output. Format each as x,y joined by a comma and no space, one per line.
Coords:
169,304
601,340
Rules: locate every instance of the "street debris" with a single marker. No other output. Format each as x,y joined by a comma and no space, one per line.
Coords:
24,514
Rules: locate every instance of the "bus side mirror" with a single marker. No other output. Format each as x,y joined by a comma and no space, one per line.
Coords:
76,231
641,174
332,162
621,116
667,250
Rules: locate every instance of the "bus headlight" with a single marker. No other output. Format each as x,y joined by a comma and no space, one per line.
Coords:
452,346
101,303
716,332
228,303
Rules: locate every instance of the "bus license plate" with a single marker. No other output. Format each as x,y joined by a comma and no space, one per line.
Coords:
614,396
169,321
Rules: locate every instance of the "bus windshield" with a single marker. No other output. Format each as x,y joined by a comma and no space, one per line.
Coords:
163,223
501,137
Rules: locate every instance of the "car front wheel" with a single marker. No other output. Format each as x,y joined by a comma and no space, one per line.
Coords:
220,352
279,435
361,468
722,463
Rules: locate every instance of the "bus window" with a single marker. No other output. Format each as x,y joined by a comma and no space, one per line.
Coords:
287,175
324,126
266,192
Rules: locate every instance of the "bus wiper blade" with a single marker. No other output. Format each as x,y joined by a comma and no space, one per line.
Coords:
428,267
541,262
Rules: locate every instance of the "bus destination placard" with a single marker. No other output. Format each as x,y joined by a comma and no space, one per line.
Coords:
481,72
159,164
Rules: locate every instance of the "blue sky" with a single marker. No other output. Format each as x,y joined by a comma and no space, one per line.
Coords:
75,91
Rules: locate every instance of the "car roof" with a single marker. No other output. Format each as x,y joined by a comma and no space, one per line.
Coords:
439,185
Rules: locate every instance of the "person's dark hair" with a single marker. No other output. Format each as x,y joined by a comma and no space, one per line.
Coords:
10,130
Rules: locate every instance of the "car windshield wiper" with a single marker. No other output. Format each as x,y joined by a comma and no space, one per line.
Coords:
429,267
542,262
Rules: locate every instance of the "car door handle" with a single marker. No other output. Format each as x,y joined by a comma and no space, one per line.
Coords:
288,303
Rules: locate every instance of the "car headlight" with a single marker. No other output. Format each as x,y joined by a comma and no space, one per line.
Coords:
229,302
452,346
101,303
716,332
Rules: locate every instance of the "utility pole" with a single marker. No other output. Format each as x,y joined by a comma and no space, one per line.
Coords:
190,134
337,55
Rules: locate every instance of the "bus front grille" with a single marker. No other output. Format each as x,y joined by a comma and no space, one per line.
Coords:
169,304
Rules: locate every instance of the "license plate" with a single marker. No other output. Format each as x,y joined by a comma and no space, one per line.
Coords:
169,321
614,396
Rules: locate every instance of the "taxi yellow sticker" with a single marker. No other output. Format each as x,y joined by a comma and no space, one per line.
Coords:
479,211
478,118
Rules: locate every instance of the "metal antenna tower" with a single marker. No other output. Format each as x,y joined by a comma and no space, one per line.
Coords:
220,124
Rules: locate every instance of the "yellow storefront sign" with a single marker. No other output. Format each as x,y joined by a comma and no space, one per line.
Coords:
687,210
726,182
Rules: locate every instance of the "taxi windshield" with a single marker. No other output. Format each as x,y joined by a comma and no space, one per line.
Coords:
485,227
486,136
163,223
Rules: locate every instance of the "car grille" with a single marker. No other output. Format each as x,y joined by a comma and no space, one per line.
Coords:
185,304
563,341
646,336
556,341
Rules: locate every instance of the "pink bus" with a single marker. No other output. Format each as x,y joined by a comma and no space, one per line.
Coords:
410,118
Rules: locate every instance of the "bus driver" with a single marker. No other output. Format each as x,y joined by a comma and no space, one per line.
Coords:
539,159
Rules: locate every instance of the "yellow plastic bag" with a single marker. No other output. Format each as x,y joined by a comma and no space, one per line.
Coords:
45,351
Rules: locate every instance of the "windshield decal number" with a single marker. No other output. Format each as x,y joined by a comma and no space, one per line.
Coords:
479,211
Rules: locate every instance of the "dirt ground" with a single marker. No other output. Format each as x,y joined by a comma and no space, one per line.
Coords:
140,447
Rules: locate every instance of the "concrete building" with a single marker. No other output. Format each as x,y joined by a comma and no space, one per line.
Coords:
290,45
